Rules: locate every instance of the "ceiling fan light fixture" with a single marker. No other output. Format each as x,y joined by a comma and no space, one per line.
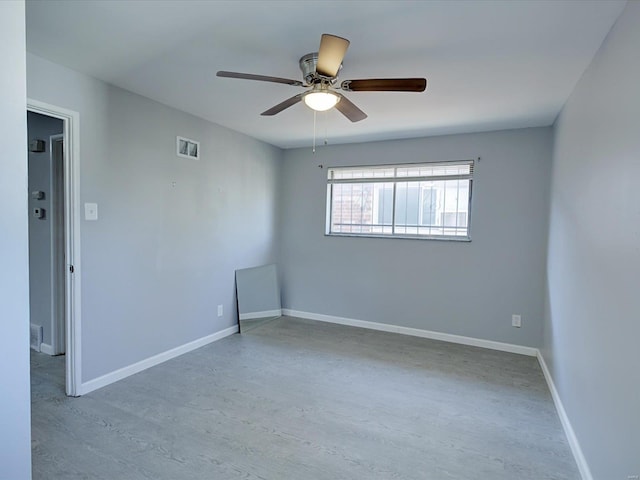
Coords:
321,101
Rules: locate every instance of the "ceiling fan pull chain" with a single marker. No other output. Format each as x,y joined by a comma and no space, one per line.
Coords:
314,131
324,119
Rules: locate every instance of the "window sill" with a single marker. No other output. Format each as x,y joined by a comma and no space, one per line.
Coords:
403,237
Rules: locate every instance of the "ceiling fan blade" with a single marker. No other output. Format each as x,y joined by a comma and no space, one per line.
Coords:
349,110
281,106
260,78
330,55
385,85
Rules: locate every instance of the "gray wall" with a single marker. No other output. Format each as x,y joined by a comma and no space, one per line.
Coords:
171,231
41,229
460,288
15,401
592,325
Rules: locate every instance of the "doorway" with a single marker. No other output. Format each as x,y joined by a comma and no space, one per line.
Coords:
54,237
46,232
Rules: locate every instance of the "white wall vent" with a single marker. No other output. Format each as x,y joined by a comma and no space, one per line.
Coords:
36,337
187,148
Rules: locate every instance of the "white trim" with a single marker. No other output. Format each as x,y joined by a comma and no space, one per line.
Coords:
263,314
132,369
46,348
581,461
73,362
415,332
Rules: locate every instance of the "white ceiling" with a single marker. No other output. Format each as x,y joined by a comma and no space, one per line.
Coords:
490,64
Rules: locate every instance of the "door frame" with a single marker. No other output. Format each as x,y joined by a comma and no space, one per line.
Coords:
58,266
71,120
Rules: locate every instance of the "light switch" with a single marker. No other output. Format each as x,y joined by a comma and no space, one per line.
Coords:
91,211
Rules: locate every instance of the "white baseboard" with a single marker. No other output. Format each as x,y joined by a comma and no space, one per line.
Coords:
583,466
129,370
46,348
263,314
415,332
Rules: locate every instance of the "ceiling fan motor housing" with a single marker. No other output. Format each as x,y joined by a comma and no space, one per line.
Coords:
308,64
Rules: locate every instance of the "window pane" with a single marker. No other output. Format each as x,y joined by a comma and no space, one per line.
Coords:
407,208
429,203
436,207
364,208
383,204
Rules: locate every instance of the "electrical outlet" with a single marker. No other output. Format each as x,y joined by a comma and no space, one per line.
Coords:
219,310
516,321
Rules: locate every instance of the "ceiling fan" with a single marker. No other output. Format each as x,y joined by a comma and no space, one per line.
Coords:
320,72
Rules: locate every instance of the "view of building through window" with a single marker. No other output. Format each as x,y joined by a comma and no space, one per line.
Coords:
420,200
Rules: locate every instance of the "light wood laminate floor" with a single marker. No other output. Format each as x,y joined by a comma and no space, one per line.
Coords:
304,400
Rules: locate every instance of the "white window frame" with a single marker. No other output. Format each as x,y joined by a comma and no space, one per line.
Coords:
395,180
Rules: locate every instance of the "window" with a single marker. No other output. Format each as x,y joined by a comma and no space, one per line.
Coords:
427,200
